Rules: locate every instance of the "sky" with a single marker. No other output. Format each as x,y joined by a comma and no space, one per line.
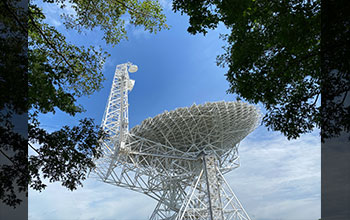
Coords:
277,180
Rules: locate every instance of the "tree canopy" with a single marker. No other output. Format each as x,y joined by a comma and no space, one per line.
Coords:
272,53
59,72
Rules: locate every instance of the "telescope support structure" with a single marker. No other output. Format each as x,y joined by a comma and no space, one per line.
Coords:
178,158
209,197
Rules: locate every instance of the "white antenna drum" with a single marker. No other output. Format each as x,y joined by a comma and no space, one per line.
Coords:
178,158
133,68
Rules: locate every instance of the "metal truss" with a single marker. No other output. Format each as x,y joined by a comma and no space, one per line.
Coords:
115,120
178,158
210,196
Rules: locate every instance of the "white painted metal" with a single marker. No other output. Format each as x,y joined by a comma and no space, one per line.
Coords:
178,157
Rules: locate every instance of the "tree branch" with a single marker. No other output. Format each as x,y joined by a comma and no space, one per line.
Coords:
7,157
133,9
33,148
25,30
50,44
318,94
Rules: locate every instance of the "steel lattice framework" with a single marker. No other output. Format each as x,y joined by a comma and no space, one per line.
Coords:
178,157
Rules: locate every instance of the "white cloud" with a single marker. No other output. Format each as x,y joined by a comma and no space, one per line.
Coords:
139,32
95,200
278,177
166,4
302,209
52,12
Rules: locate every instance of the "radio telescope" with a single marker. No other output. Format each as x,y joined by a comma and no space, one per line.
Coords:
179,157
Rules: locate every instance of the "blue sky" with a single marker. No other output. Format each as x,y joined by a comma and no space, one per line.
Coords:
278,179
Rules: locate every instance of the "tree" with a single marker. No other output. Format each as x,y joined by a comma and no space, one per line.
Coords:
273,57
59,72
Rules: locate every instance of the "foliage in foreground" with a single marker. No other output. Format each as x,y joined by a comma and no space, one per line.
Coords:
273,57
46,73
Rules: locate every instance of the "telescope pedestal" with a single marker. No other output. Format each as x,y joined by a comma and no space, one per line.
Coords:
209,197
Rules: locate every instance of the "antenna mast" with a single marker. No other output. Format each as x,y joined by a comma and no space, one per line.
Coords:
115,120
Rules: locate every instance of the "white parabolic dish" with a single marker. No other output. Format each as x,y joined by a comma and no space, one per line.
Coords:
214,128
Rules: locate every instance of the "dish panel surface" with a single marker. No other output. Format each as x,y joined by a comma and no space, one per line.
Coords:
215,126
